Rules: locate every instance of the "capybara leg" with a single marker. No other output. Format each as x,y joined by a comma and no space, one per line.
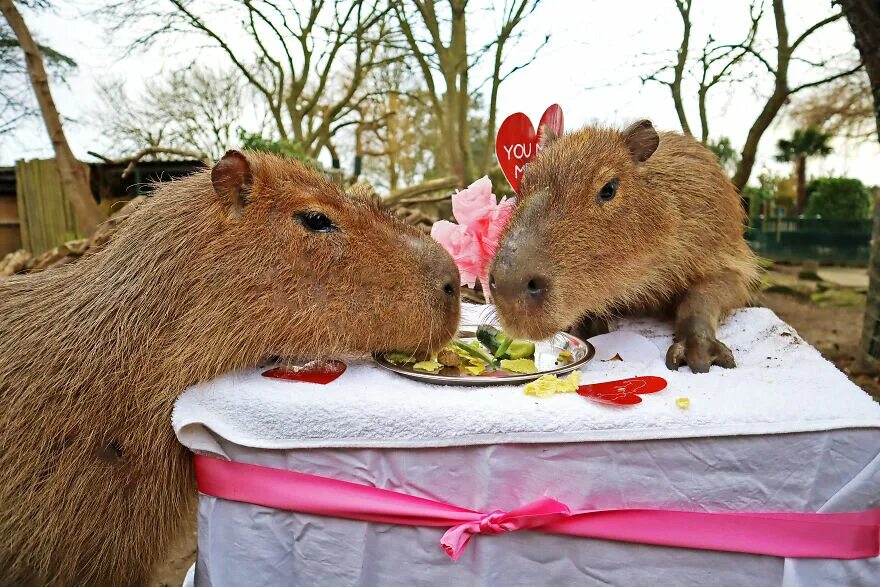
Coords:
588,327
697,317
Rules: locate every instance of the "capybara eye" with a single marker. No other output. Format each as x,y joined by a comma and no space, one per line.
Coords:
608,191
316,222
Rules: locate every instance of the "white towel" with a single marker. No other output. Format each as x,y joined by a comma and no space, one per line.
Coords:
781,384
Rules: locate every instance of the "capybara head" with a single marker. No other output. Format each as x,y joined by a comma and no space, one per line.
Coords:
586,229
293,266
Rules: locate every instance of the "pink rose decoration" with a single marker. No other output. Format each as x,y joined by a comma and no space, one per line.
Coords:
473,203
473,241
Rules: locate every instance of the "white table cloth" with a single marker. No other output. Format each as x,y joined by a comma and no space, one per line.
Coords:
784,431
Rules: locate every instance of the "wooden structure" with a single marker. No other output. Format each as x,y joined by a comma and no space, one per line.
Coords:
35,215
44,213
9,226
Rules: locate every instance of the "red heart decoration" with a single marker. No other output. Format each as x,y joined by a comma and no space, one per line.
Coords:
624,392
322,372
552,119
517,143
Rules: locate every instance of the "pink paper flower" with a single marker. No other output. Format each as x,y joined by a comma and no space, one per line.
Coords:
473,241
475,202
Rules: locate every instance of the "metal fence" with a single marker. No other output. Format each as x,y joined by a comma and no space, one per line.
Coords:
839,242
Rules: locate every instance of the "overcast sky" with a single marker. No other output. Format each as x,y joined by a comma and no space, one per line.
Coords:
591,67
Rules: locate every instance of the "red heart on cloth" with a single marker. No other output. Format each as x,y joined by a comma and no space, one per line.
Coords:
517,143
322,372
624,392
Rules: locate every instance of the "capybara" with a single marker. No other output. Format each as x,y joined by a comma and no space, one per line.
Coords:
256,257
615,222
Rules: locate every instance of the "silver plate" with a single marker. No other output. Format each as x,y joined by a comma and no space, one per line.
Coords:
546,353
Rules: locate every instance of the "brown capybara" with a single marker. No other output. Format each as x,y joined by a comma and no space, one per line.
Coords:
615,222
257,257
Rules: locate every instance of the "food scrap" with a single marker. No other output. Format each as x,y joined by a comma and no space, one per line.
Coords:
548,385
683,403
564,358
526,366
431,366
449,358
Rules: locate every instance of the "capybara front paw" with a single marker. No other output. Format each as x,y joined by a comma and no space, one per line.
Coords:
699,352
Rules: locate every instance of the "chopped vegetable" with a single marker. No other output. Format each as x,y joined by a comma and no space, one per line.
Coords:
503,346
475,352
398,358
504,343
448,358
431,366
683,403
521,349
519,366
548,385
486,334
564,358
476,369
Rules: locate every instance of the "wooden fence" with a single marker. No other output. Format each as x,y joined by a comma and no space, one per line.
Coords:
9,231
45,214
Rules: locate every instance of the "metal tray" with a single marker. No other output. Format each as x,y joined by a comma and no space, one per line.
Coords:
546,352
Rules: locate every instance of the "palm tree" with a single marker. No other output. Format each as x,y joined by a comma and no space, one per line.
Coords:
804,143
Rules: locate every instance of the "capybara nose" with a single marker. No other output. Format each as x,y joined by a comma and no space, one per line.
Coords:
449,278
439,268
536,288
507,285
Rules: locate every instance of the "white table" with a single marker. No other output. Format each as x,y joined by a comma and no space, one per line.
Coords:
785,431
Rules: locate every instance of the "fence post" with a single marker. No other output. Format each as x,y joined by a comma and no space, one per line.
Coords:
869,349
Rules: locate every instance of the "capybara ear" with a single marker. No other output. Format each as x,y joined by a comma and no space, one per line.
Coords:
232,180
546,135
642,140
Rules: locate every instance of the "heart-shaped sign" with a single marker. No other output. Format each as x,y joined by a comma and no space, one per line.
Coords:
624,392
322,372
517,143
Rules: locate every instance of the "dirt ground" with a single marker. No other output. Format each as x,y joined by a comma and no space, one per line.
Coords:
833,327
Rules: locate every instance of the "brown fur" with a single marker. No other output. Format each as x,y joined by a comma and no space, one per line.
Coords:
671,238
93,485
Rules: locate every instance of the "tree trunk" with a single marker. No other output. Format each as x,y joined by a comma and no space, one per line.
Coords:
801,178
750,148
864,20
73,179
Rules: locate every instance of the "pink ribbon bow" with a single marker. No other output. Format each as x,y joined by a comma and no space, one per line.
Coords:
532,515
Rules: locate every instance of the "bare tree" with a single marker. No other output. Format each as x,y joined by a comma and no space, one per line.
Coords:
718,63
843,108
306,61
73,178
439,45
196,110
16,94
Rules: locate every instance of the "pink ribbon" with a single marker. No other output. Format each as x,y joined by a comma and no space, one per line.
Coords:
848,535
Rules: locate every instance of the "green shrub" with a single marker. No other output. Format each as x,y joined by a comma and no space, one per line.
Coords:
288,149
842,198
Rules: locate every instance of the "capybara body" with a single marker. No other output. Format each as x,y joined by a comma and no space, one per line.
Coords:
613,222
258,257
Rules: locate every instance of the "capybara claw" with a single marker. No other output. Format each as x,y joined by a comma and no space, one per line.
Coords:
699,353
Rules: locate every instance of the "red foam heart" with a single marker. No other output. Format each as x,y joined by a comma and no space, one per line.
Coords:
624,392
517,143
322,372
552,119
